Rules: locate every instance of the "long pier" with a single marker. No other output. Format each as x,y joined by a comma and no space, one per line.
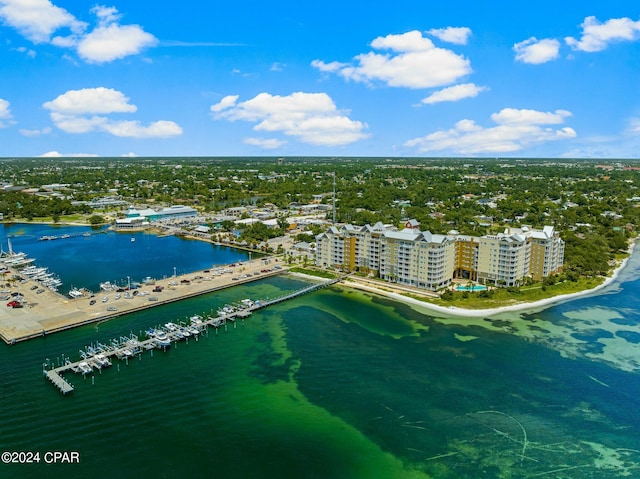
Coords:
100,356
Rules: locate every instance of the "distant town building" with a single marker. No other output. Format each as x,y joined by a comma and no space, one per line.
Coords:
170,213
136,223
432,261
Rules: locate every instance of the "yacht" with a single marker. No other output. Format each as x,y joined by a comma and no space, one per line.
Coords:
108,286
161,339
84,367
171,327
193,330
102,360
75,293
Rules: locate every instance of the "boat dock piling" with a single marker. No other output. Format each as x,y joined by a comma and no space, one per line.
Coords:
100,355
58,381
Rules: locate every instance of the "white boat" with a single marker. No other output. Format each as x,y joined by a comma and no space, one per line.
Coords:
193,330
247,303
102,360
33,271
75,293
84,367
108,286
161,339
171,327
126,353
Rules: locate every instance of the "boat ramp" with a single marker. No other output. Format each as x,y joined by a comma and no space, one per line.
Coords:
99,356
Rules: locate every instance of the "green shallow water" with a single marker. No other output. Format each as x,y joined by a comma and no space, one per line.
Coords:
342,384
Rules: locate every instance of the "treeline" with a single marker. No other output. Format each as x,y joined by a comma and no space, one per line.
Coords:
15,204
593,206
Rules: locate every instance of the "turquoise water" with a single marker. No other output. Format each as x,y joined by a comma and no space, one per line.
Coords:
475,287
343,384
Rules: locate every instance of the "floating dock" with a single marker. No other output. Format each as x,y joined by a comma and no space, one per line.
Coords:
101,355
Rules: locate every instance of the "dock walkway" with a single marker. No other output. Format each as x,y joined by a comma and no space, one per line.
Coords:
101,355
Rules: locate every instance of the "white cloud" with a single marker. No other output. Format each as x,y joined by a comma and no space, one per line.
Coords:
597,36
277,67
457,35
133,129
266,143
311,117
37,20
513,116
35,133
5,113
91,100
536,51
27,51
82,111
330,67
131,154
57,154
415,63
454,93
110,41
6,118
625,144
227,102
77,124
516,130
106,14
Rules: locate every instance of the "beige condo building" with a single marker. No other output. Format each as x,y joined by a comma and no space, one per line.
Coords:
432,261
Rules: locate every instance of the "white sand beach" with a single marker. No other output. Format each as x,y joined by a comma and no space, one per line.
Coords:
454,311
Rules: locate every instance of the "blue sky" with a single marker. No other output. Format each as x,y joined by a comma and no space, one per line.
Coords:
397,79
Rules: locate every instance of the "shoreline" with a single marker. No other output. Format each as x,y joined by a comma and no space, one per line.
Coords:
475,313
449,310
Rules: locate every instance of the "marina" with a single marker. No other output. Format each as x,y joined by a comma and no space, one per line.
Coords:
48,312
99,356
69,235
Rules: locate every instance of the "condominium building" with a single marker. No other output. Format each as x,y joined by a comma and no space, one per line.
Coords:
547,253
503,259
416,258
431,261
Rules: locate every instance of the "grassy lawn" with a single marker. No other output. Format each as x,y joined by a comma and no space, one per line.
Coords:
529,294
77,218
313,272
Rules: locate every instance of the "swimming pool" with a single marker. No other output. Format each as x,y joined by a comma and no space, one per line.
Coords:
475,287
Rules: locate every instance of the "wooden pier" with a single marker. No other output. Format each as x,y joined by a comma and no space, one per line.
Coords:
99,356
58,381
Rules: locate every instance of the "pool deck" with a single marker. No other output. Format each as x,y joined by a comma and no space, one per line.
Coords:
50,312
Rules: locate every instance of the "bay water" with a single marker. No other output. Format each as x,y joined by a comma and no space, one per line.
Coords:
334,384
